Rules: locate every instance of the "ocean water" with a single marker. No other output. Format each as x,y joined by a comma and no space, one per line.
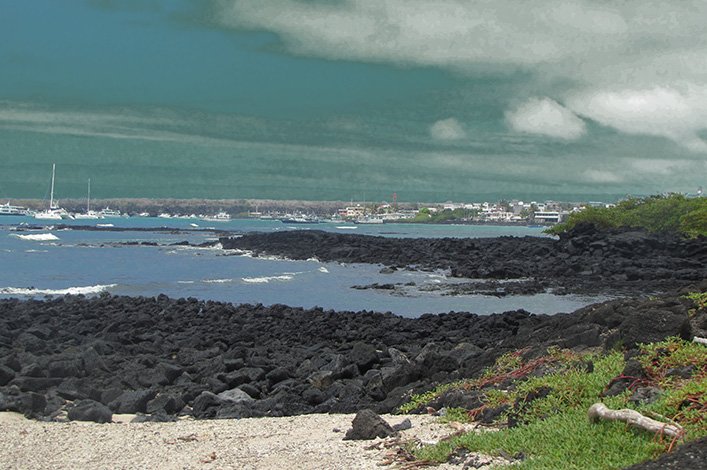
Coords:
46,261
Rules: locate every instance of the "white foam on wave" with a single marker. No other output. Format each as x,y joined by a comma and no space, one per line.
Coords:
37,237
185,282
217,281
36,251
322,269
347,227
267,279
85,290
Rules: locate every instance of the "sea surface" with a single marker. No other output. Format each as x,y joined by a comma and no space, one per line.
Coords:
39,260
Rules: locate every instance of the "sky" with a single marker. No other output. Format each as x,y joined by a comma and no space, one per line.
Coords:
434,100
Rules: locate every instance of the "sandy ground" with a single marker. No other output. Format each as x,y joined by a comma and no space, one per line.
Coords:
302,442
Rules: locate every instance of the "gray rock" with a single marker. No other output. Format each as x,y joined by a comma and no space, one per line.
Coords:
235,395
90,410
132,401
6,374
368,425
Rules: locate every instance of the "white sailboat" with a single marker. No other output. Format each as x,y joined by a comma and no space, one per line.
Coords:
89,213
54,212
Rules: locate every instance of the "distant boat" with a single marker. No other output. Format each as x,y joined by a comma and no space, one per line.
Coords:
89,213
300,219
220,217
54,212
7,209
108,212
369,220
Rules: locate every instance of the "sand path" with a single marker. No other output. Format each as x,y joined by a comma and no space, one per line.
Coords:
302,442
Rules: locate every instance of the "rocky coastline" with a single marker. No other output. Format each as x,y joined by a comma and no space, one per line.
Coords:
584,260
87,359
90,357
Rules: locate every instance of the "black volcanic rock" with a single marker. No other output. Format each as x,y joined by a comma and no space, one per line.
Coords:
368,425
584,259
285,360
89,410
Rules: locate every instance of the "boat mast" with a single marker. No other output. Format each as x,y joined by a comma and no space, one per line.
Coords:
51,194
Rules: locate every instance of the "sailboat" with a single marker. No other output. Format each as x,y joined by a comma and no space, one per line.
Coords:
89,213
54,212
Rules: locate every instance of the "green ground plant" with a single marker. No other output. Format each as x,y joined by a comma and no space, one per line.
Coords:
699,298
554,431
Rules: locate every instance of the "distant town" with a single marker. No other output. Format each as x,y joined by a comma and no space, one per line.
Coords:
306,212
503,212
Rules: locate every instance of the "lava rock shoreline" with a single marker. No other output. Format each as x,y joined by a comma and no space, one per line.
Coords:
583,260
162,357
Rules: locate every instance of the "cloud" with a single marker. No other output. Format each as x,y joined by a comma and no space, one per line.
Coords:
447,129
546,117
674,113
569,39
658,166
622,63
602,176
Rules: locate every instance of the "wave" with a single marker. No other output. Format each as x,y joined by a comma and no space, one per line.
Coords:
347,227
185,282
36,251
85,290
267,279
322,269
37,237
217,281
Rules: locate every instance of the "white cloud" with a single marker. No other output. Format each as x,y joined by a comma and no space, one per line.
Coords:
573,38
546,117
608,56
602,176
447,129
675,113
659,166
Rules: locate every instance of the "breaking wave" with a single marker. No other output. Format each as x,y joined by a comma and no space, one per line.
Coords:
31,291
267,279
38,237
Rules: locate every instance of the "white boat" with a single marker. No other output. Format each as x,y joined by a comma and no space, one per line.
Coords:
54,212
220,217
108,212
7,209
369,220
89,214
300,219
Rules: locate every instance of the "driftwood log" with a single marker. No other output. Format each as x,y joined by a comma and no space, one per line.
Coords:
634,418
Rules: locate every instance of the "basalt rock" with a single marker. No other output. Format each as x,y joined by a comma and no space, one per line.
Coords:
585,259
368,425
89,410
278,360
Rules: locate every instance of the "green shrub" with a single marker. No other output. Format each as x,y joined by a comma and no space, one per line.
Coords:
671,213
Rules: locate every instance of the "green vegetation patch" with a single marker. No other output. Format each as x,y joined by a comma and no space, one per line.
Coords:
552,429
671,213
425,216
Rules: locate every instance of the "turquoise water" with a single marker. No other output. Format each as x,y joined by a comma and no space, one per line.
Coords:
96,261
